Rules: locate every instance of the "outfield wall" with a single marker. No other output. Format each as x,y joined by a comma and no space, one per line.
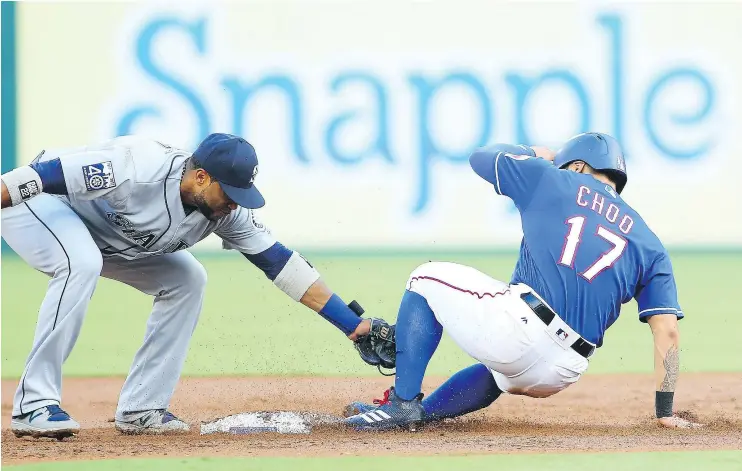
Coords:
363,112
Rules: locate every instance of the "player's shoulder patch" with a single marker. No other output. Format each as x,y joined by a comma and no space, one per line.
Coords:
99,176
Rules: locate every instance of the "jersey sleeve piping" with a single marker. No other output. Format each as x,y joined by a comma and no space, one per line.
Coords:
497,176
670,310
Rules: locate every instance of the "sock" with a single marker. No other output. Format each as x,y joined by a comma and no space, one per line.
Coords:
418,334
470,389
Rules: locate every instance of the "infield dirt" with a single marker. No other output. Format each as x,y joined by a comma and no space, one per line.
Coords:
599,413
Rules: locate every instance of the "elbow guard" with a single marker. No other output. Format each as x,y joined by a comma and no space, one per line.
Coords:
296,277
23,183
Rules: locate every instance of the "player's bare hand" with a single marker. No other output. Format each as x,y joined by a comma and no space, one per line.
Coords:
363,329
677,422
544,153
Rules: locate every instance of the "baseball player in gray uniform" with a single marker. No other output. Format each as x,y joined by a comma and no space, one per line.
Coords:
125,209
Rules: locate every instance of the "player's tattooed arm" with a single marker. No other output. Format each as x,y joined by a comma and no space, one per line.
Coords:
666,351
667,368
671,364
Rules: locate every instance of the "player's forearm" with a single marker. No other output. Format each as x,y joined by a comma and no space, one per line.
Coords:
667,361
331,307
316,296
666,367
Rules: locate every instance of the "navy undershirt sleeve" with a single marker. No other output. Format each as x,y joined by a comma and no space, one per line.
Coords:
272,260
52,176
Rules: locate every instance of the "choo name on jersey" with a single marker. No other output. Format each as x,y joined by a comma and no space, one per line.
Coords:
597,203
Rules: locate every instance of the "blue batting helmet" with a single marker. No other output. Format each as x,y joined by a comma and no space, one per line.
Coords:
600,151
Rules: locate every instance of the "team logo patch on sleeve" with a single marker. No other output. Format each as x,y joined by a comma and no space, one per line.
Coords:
99,176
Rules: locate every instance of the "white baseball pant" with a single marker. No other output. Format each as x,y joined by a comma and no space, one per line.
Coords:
489,321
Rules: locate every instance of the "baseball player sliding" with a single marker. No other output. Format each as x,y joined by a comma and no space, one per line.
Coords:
125,210
584,253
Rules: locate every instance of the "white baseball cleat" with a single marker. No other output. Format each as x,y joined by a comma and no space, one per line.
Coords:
153,422
49,421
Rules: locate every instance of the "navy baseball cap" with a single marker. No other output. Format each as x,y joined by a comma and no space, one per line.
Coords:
232,162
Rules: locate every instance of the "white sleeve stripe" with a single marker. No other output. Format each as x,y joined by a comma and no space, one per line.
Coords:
668,309
497,178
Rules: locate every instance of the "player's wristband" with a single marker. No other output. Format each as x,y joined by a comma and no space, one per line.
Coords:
340,315
663,403
23,183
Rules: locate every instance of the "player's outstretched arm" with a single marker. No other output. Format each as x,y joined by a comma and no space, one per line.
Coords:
320,299
296,277
666,367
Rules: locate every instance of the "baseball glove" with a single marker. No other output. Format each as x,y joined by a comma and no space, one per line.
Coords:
378,347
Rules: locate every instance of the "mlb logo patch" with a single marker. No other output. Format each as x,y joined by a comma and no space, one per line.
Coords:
28,190
99,176
562,334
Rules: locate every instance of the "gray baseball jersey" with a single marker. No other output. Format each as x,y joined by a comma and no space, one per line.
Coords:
127,192
123,207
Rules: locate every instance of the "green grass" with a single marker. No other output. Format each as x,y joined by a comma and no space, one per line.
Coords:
681,461
249,327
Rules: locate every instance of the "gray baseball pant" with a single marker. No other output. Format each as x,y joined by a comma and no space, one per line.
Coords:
49,236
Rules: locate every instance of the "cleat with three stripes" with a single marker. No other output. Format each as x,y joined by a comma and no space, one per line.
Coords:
394,413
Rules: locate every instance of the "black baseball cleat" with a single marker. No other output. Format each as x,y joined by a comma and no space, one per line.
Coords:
392,413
